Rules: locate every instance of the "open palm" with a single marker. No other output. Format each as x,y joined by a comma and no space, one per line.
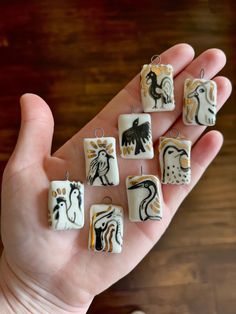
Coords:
57,264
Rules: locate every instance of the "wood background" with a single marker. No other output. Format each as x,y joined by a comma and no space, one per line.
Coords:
77,55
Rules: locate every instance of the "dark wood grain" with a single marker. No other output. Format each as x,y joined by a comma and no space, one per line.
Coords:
77,55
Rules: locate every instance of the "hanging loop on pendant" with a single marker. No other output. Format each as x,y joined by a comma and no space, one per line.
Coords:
202,73
174,133
141,170
108,198
67,175
97,130
157,58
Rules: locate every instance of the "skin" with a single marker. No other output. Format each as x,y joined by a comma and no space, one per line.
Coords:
55,269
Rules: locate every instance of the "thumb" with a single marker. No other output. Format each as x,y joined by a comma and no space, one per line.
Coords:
36,132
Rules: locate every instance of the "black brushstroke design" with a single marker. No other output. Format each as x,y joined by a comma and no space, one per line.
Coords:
137,135
162,90
101,224
150,186
99,167
179,153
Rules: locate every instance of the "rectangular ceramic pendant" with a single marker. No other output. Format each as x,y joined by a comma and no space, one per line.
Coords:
106,228
174,154
101,161
199,102
66,205
135,135
157,88
144,198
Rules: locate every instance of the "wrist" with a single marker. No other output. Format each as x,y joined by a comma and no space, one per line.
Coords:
20,296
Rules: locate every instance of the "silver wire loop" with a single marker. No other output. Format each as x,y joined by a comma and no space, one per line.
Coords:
108,198
97,130
154,57
202,73
132,108
67,175
174,133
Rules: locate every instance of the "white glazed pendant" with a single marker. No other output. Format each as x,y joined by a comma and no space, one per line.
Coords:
106,228
199,102
66,205
157,88
101,161
144,198
174,155
135,135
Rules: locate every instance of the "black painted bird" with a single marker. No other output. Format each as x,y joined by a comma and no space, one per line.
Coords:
145,209
174,170
137,134
99,168
204,103
162,90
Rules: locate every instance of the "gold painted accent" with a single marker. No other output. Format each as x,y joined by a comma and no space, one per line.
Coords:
185,163
63,191
54,193
139,179
91,151
92,233
148,147
109,146
58,191
178,143
94,145
155,209
91,155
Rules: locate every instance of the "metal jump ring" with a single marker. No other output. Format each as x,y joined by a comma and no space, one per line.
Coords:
202,73
96,132
174,133
154,57
108,198
67,175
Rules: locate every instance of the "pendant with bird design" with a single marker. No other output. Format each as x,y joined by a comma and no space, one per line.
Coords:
144,198
174,156
199,102
135,136
66,205
157,88
106,228
101,161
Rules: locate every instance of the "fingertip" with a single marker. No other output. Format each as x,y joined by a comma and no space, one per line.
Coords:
216,55
33,107
185,47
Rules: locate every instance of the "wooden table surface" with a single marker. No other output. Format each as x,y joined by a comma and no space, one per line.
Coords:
77,55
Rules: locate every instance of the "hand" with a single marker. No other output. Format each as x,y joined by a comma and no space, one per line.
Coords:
56,267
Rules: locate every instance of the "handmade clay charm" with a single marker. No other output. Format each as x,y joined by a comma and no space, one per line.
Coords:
174,154
144,197
101,161
157,90
106,228
66,205
199,102
135,136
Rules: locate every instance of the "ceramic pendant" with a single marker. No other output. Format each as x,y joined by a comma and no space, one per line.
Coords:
157,89
199,102
101,161
66,205
135,135
174,154
106,228
144,198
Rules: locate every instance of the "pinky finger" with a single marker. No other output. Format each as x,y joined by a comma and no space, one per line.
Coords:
203,153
